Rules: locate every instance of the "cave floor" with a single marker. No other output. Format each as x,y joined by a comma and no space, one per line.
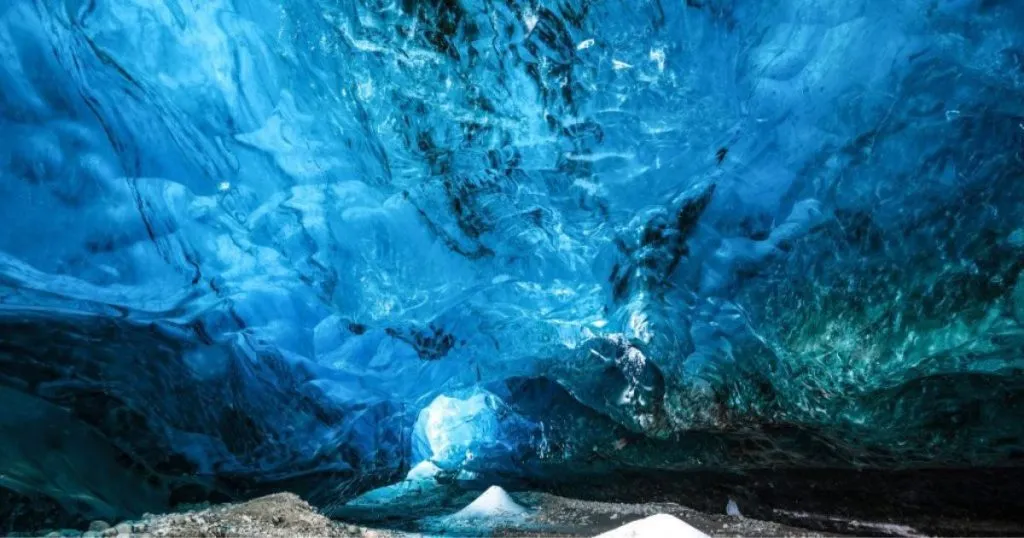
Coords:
822,503
286,515
553,515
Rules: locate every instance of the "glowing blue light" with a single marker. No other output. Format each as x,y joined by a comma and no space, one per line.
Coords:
455,429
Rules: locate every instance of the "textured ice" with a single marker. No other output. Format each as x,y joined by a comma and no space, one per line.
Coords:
246,244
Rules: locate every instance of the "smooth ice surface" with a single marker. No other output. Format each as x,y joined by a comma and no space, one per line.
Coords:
249,245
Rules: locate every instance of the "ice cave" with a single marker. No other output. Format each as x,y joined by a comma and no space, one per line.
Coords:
512,267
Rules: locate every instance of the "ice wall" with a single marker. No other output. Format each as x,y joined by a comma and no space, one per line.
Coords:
247,243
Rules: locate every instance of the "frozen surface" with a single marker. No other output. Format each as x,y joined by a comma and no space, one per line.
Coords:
251,245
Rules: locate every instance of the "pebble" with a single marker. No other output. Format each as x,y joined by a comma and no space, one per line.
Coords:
99,526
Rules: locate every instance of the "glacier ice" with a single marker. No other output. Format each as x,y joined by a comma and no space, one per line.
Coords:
252,245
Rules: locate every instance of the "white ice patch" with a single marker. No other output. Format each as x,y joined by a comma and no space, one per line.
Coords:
658,57
531,19
656,526
493,503
364,89
465,475
422,471
733,509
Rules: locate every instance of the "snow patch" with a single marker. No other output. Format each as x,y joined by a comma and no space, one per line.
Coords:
656,526
493,503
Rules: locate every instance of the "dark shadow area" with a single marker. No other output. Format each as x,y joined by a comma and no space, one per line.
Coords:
948,502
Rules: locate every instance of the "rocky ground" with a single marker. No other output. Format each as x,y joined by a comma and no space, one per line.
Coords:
282,515
286,515
572,517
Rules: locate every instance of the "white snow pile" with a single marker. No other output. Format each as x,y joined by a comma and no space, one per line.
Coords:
492,509
656,526
493,503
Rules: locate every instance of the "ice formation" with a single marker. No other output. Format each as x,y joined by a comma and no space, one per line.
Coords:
255,245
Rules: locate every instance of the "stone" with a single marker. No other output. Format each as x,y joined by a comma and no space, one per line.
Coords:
99,526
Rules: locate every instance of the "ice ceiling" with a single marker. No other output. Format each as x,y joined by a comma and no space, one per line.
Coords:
305,244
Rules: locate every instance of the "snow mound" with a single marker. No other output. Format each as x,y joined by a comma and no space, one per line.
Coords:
493,503
656,526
